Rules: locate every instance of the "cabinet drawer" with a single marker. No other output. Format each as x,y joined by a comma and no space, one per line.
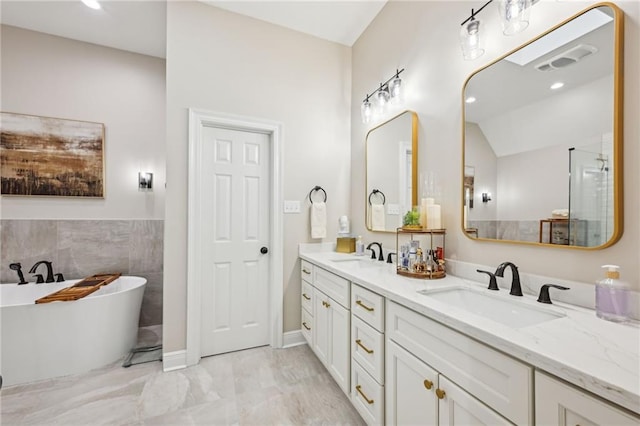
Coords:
306,270
367,348
498,380
367,396
307,327
558,403
368,306
332,285
306,296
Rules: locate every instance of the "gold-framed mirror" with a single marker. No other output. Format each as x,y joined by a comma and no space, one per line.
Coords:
542,133
391,183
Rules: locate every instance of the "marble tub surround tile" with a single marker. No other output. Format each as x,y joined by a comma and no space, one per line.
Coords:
88,247
27,242
80,248
151,311
201,395
146,246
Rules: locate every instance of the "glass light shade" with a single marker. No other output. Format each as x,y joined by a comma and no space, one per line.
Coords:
396,91
366,111
514,15
470,40
382,97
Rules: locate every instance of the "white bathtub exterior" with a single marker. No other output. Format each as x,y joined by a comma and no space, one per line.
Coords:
61,338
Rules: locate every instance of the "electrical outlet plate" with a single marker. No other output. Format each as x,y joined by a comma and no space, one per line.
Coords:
393,209
291,206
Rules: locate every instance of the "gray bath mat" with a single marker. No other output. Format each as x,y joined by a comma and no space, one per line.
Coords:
142,355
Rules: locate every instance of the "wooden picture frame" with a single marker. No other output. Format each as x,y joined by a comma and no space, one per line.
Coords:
45,156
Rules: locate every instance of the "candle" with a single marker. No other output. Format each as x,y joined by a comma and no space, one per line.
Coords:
423,212
433,216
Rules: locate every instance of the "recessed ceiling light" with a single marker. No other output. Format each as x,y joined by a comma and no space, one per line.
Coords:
557,85
470,100
93,4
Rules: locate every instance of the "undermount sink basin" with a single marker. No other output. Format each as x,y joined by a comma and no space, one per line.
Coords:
510,312
361,262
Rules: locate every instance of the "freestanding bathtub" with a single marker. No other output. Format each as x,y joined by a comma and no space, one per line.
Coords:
60,338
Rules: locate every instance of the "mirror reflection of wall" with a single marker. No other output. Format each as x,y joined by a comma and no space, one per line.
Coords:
391,157
539,134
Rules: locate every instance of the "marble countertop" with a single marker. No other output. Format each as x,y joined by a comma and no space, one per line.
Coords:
600,356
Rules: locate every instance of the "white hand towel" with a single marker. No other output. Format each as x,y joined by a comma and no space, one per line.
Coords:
318,220
377,217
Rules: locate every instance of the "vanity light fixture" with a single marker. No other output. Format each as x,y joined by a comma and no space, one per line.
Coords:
514,15
389,92
93,4
557,85
486,197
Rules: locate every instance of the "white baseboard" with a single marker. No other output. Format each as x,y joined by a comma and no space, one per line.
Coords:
174,360
293,338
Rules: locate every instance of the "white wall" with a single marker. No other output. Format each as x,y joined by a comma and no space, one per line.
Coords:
423,38
221,61
57,77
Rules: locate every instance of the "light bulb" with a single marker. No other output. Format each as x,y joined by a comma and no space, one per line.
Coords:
383,99
366,111
396,91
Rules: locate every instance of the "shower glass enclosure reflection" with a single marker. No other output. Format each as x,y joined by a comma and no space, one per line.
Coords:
590,198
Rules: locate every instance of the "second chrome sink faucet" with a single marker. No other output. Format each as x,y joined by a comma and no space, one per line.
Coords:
516,289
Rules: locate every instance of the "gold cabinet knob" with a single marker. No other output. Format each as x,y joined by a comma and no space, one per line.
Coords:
440,393
326,304
428,384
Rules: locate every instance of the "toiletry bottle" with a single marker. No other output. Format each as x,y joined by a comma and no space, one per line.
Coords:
612,296
359,246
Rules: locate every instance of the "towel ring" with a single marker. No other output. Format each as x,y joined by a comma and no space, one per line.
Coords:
377,191
317,188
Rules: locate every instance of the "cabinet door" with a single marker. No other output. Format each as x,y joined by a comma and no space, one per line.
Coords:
409,389
560,404
457,407
339,345
321,332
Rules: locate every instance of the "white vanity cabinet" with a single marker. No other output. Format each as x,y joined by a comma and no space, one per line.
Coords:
326,320
367,354
494,382
558,403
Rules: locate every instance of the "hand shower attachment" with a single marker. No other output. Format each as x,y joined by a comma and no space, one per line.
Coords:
18,268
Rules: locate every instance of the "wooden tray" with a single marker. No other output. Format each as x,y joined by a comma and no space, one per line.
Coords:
422,275
80,289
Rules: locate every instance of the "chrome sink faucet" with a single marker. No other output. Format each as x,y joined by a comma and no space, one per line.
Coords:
516,290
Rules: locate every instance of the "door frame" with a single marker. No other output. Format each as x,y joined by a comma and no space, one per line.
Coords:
198,119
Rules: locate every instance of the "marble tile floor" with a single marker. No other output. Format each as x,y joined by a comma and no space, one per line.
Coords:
260,386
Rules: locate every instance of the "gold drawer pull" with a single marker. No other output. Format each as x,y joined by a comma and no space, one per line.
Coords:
305,271
305,296
358,302
367,350
440,393
428,384
359,389
325,304
306,326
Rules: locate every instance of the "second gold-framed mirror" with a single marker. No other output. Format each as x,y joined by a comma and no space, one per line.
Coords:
542,133
391,184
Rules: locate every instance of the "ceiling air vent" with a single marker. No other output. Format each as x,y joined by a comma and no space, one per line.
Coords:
567,58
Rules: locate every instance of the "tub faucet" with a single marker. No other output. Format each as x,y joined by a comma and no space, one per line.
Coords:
516,290
49,270
18,268
373,252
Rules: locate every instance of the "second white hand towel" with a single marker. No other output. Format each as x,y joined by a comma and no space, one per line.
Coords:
318,220
377,217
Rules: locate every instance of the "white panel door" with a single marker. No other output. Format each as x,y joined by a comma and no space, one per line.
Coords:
458,408
234,193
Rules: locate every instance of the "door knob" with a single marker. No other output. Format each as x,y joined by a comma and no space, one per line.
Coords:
264,250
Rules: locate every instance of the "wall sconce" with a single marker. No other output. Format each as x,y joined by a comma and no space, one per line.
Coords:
486,197
389,91
145,181
514,15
